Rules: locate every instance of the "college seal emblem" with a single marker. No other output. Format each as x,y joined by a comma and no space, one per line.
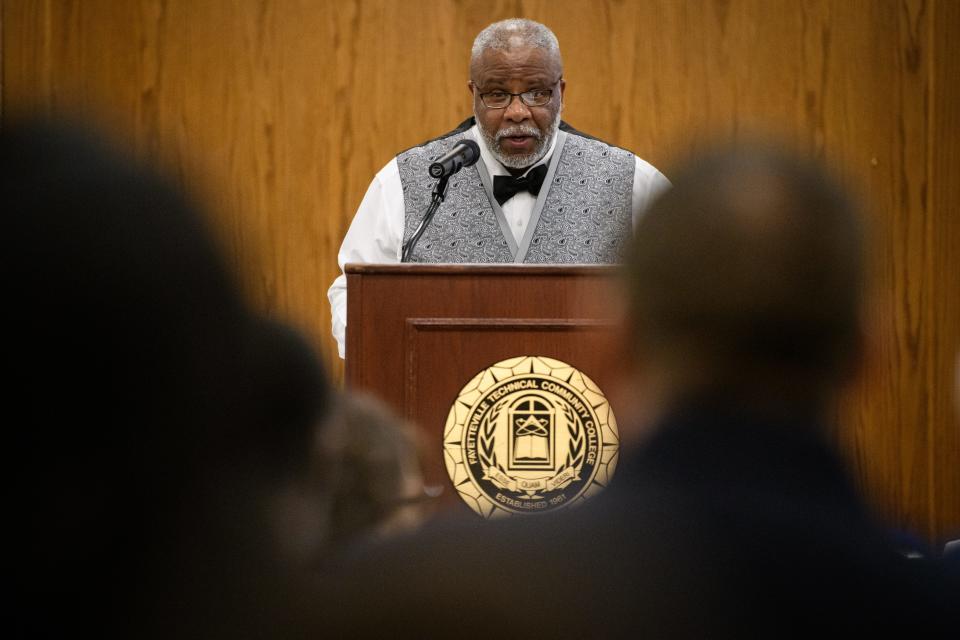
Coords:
529,435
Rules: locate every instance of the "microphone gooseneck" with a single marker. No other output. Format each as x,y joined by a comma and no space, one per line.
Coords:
463,154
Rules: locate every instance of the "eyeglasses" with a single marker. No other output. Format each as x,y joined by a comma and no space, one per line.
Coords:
425,494
502,99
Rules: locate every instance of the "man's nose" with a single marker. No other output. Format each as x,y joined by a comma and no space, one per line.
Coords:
516,110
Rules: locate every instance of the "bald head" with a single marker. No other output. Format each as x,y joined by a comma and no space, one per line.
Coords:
749,271
516,33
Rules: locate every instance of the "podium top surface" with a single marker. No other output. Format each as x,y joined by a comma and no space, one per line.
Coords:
480,269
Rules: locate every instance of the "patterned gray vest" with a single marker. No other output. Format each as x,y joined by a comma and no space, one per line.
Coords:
583,214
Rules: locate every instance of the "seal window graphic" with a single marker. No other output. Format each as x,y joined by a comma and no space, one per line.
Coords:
529,435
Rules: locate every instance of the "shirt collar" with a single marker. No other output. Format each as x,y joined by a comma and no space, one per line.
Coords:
494,167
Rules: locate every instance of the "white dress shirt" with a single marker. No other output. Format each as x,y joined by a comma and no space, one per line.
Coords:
376,233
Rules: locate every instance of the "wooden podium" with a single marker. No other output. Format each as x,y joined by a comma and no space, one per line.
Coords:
416,334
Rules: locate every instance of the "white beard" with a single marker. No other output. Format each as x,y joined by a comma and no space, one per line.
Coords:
514,161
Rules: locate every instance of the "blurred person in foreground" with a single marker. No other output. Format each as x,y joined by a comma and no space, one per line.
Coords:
153,419
951,549
365,478
734,517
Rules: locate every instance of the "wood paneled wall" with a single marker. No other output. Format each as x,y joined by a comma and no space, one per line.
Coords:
276,114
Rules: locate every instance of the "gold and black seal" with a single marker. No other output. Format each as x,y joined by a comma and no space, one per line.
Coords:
529,435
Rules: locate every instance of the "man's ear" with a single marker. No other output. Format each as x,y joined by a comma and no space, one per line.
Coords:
470,87
563,90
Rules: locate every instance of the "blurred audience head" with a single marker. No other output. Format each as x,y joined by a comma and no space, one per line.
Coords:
157,414
368,464
746,282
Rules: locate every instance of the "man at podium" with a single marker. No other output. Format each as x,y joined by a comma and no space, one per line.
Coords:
539,192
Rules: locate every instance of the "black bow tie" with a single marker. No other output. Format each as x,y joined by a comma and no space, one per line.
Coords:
505,187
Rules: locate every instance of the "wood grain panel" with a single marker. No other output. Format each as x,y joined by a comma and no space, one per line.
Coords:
886,419
943,304
275,114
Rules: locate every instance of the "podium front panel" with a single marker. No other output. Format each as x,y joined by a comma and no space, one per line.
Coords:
416,334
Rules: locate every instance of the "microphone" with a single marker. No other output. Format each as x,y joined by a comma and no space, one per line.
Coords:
464,154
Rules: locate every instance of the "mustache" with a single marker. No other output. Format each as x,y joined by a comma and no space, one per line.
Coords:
518,130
